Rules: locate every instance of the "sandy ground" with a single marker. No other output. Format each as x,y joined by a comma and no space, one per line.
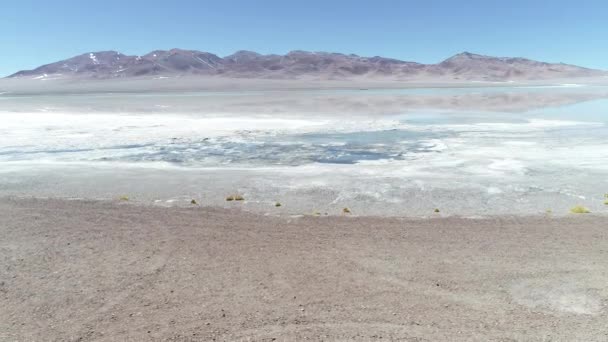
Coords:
108,271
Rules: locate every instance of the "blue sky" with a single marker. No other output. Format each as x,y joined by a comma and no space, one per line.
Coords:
38,32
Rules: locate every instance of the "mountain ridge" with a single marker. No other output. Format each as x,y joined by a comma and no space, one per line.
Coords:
300,64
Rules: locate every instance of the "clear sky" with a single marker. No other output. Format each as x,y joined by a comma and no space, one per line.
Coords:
38,32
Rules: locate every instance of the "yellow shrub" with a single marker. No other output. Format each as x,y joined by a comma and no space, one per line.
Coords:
579,209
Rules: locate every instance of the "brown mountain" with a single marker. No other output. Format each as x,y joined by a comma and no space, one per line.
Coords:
301,64
470,66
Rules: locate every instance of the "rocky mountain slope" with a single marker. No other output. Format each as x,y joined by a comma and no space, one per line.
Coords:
301,64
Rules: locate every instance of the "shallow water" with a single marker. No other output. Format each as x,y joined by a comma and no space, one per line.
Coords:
317,156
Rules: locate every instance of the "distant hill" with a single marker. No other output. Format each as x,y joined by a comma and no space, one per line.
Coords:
301,64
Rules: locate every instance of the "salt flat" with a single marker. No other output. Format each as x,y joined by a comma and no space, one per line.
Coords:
466,150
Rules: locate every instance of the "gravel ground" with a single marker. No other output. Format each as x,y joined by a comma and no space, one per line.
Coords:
108,271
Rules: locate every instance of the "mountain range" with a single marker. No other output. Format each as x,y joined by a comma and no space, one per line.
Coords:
301,64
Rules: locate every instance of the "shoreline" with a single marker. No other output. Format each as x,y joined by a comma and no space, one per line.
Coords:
240,207
114,271
299,193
